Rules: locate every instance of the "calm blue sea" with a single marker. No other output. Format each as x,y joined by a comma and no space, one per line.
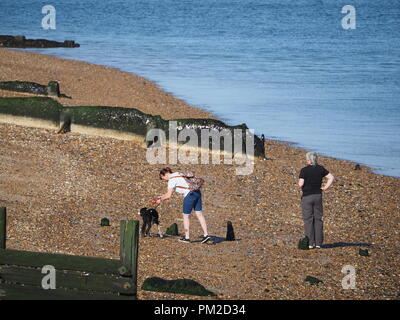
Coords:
286,68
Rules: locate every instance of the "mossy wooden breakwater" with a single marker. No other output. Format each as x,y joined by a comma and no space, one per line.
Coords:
22,42
32,112
52,88
116,122
76,277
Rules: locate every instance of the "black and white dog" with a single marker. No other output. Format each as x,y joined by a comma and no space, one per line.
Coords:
150,217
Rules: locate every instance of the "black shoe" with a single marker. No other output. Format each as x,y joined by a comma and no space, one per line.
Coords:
205,239
183,239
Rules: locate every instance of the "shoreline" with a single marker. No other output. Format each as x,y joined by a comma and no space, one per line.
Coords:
112,87
295,145
165,90
57,188
160,91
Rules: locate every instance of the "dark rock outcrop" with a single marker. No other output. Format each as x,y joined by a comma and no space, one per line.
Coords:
21,42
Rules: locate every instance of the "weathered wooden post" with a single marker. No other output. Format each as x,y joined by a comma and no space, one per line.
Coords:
129,249
230,234
3,226
53,89
65,122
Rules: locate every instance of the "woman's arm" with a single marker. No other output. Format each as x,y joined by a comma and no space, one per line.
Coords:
328,184
166,195
301,182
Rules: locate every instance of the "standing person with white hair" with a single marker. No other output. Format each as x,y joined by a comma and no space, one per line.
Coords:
310,181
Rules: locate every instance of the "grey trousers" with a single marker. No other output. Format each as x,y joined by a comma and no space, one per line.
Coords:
312,210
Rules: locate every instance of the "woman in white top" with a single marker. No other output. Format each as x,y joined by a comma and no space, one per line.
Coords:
191,200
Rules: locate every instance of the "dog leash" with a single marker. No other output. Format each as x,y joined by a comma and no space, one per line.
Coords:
154,202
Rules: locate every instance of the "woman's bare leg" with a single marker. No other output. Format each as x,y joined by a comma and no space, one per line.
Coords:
186,224
202,221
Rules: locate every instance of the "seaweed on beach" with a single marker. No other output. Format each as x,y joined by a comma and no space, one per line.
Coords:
183,286
172,230
312,280
303,243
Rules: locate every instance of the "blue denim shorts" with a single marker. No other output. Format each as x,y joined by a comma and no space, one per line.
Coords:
192,201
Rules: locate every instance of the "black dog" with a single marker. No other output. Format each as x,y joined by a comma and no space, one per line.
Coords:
150,217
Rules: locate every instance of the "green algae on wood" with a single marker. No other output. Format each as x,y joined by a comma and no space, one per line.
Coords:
59,261
218,127
52,89
24,86
75,280
125,121
35,107
114,118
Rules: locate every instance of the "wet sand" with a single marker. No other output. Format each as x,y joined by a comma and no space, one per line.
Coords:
57,187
